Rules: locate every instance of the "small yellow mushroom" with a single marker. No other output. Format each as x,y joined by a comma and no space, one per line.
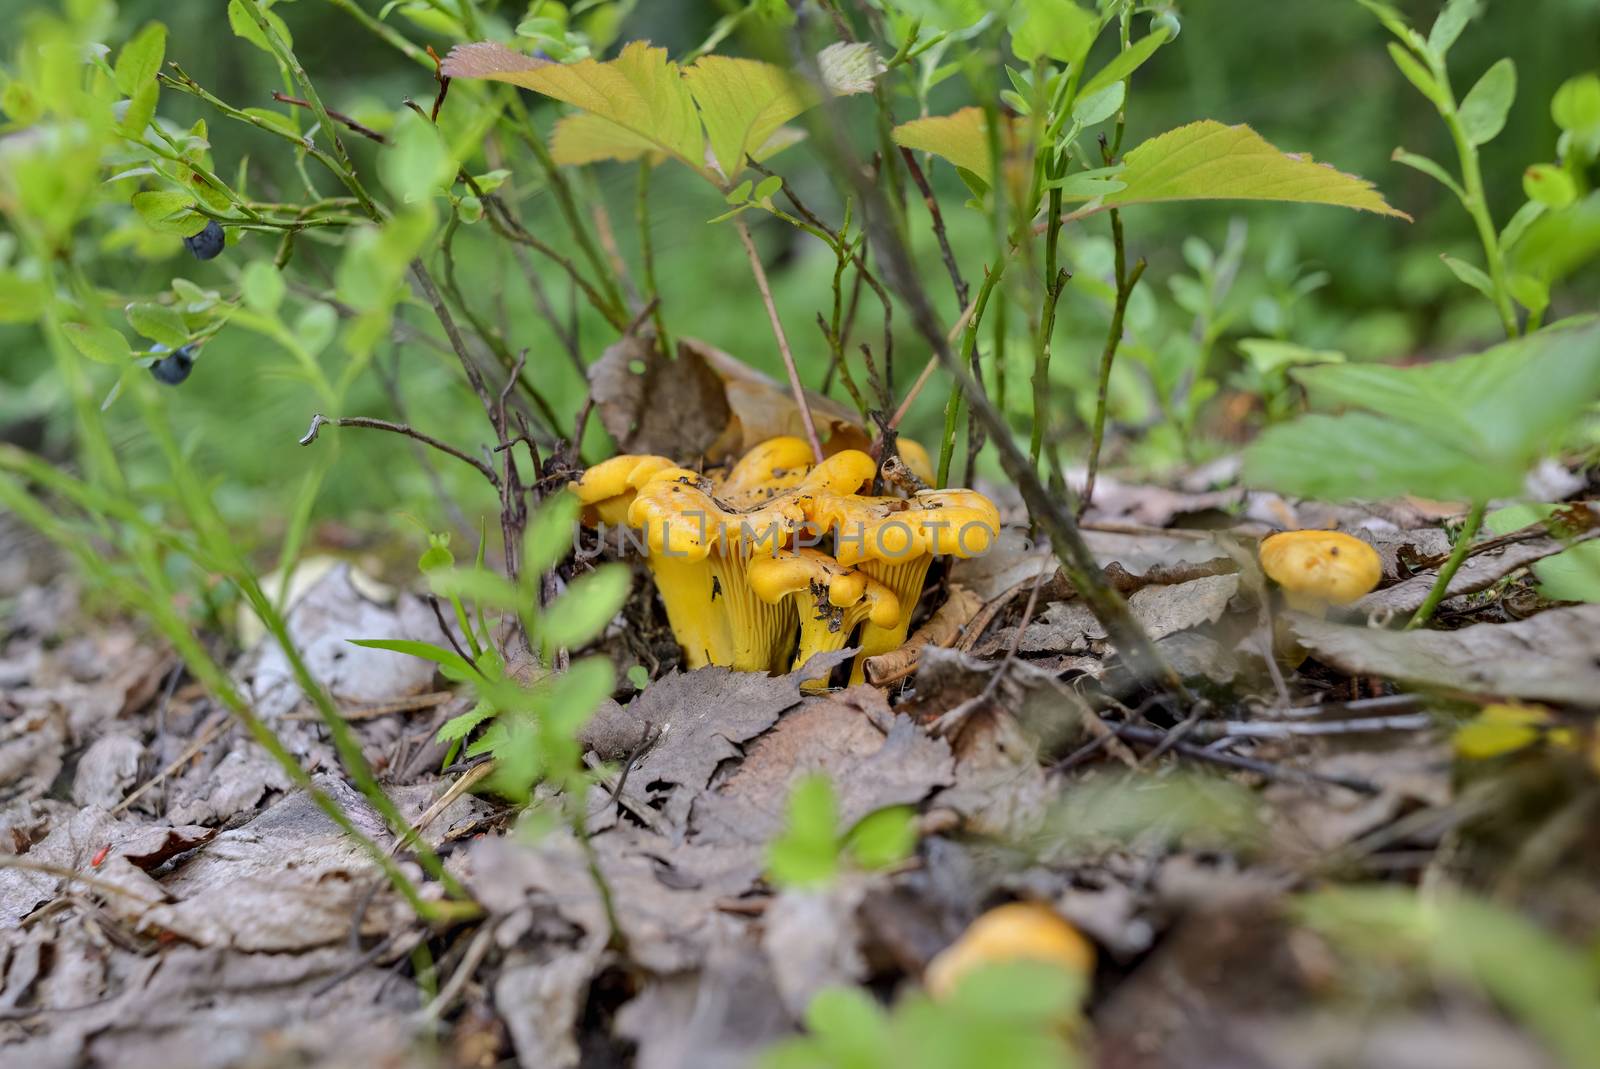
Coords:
1018,931
830,599
608,488
1317,569
776,465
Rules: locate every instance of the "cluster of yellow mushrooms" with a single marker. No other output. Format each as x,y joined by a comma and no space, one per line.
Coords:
778,558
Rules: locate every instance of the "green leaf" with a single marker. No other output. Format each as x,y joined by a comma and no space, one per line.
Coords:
168,211
245,27
1542,980
743,102
637,97
418,163
1484,111
1100,182
1269,355
488,589
1463,429
141,109
1550,185
276,120
1448,26
1100,105
158,323
883,838
1059,29
262,286
452,662
1208,160
459,727
768,187
961,138
590,603
740,193
1471,274
1364,456
141,58
1519,224
1431,169
548,538
1126,62
639,676
806,854
1576,105
1530,291
100,344
1417,74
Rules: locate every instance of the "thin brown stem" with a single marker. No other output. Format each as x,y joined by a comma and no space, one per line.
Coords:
795,385
318,421
338,116
937,216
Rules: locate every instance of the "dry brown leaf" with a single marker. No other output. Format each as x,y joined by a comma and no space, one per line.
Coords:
1478,572
941,629
1554,656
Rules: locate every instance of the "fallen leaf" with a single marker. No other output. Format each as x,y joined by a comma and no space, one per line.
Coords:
1548,657
541,1002
1478,572
870,769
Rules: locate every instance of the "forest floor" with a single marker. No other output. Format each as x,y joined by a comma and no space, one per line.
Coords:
173,901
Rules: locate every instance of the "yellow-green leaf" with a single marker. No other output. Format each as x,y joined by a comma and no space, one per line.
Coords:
640,92
961,138
743,103
1209,160
584,138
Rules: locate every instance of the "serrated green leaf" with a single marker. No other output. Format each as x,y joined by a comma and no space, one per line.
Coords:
158,207
1059,29
1429,168
1471,274
1126,62
1549,185
459,727
100,344
158,323
1208,160
1416,74
141,58
589,604
1364,456
584,138
961,138
262,286
1451,21
743,102
1484,111
640,93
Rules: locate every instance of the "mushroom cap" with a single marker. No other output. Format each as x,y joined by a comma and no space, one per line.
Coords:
774,578
961,523
681,519
775,465
1321,567
606,489
1018,931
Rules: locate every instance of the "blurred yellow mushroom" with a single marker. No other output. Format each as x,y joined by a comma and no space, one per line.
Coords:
1317,569
1018,931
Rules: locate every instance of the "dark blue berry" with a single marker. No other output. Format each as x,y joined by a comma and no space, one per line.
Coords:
206,245
175,368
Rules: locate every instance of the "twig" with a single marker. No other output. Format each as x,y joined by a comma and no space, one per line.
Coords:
932,204
783,341
201,741
1149,736
318,421
339,116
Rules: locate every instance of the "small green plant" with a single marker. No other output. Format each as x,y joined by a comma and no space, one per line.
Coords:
1019,1014
813,850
